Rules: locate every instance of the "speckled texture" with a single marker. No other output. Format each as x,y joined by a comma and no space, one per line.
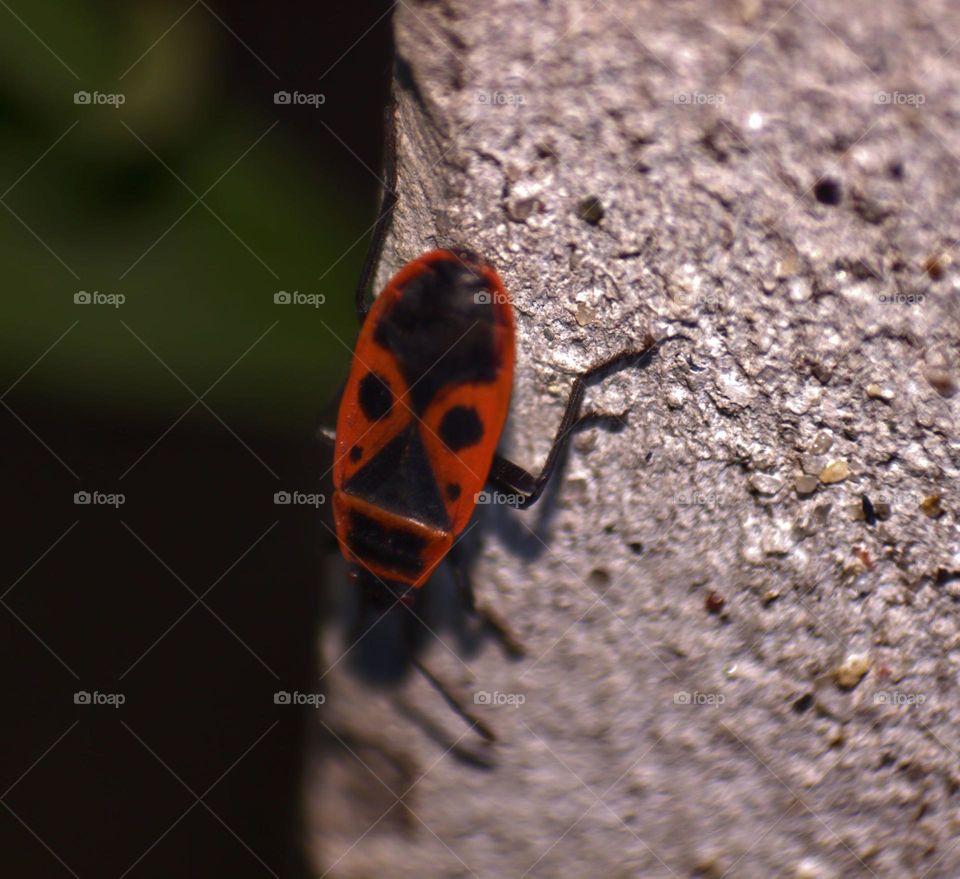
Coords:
732,171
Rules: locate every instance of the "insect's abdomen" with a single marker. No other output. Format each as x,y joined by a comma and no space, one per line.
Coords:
393,547
421,415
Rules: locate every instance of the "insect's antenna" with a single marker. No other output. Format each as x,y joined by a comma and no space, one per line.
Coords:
452,701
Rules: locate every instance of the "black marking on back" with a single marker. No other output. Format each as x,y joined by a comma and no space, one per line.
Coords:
460,428
453,490
376,396
395,548
356,453
399,479
442,331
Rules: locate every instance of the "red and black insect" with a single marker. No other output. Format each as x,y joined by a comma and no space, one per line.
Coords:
420,418
419,422
421,415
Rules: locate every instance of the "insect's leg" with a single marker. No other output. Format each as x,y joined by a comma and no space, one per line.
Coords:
471,719
491,619
514,479
412,627
387,203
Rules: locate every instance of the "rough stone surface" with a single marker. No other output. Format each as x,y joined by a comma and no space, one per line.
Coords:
780,182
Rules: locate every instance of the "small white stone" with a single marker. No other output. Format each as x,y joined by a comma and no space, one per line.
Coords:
811,868
875,392
850,672
676,397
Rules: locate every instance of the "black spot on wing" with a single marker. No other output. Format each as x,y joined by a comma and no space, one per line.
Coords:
453,490
372,542
461,428
399,479
376,396
442,330
356,453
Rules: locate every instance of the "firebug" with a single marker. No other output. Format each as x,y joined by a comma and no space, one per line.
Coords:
420,419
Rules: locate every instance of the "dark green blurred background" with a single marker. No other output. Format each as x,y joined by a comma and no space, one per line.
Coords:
101,199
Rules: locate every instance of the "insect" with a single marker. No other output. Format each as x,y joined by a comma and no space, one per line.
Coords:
421,415
420,419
